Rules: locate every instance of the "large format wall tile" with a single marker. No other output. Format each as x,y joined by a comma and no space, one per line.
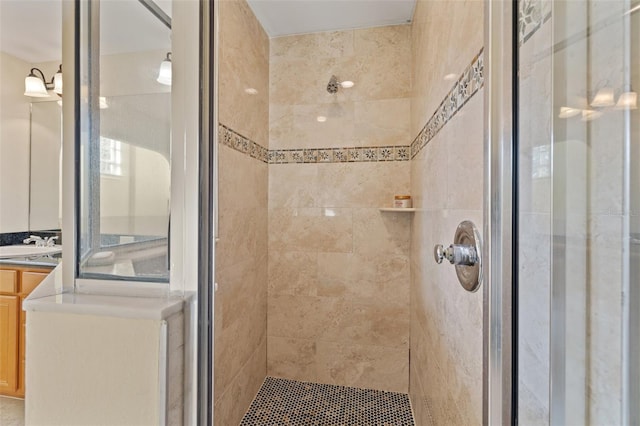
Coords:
447,186
241,253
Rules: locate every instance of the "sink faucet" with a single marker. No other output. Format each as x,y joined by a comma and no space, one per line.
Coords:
51,241
35,239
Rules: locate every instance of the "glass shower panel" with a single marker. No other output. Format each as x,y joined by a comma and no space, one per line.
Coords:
578,212
126,160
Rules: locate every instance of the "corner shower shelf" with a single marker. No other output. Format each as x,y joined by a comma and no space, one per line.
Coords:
394,209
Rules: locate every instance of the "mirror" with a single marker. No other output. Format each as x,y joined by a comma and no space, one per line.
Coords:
44,167
29,126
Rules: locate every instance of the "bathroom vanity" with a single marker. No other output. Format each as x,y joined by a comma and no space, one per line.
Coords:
18,278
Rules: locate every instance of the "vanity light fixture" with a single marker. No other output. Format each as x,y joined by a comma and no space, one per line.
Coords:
36,86
567,112
164,76
627,100
603,98
589,114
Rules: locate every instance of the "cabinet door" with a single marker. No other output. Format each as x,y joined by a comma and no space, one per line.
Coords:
9,348
22,354
30,281
8,281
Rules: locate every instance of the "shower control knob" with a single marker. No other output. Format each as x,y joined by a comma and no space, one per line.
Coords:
456,254
465,254
438,253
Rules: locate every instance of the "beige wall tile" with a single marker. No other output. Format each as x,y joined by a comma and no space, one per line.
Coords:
383,41
241,324
241,253
238,234
231,405
370,185
445,38
293,273
447,187
244,63
302,317
329,44
335,278
465,157
369,367
377,60
293,185
369,322
382,122
380,232
310,229
292,358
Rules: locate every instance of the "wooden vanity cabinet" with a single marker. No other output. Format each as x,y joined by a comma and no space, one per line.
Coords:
16,282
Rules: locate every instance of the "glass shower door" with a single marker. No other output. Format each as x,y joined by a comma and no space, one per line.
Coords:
578,212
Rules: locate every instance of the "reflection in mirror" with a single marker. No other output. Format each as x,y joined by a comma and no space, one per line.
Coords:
46,154
125,158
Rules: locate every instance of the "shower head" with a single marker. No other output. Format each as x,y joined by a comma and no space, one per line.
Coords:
334,84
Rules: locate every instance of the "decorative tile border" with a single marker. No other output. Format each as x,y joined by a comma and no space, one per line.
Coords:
339,155
532,14
471,80
236,141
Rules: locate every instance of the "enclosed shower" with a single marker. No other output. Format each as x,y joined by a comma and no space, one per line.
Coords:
329,296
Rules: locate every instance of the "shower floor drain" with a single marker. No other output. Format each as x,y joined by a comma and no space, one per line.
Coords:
292,403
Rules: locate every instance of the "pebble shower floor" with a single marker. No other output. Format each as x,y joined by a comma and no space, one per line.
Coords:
292,403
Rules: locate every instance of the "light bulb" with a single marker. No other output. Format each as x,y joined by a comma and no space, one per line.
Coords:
347,84
57,83
604,98
567,112
34,87
627,100
164,76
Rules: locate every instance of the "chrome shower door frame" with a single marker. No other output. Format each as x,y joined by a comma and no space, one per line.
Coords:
499,220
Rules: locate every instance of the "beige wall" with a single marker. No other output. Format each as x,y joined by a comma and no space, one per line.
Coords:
338,267
446,183
14,145
241,254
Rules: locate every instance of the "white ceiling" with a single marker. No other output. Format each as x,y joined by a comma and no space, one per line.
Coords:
286,17
32,29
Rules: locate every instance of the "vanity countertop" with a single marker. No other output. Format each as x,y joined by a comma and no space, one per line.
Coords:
47,297
47,261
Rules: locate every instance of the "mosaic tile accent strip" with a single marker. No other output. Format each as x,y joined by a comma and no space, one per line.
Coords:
471,80
532,14
289,402
339,155
235,140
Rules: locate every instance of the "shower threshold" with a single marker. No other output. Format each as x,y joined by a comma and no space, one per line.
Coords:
293,403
